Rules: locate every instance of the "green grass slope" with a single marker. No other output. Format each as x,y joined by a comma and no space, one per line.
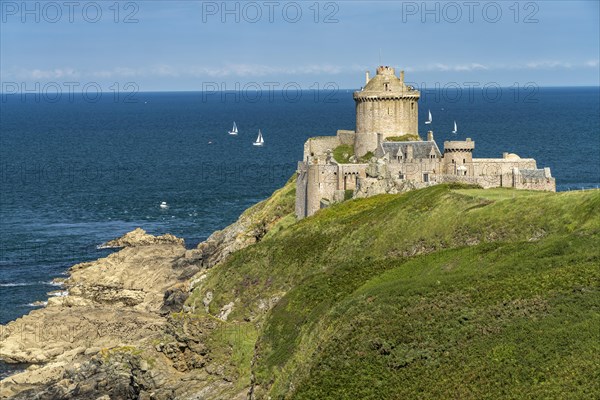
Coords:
445,292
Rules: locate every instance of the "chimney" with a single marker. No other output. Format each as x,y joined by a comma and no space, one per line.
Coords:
409,152
402,76
367,78
504,155
430,136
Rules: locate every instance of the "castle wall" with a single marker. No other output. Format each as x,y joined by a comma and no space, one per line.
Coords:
318,146
318,181
458,163
301,185
498,172
322,183
346,137
458,158
365,142
348,175
542,181
390,116
415,170
387,116
499,166
545,184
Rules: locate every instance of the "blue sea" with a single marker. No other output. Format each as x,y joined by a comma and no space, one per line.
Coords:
75,174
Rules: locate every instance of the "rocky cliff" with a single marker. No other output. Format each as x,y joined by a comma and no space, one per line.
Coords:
118,329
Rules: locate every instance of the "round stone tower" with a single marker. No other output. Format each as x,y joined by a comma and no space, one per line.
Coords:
387,106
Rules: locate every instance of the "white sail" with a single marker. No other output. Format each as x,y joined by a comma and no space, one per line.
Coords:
259,140
234,130
455,128
430,119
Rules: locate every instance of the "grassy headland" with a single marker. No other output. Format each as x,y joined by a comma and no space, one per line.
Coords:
445,292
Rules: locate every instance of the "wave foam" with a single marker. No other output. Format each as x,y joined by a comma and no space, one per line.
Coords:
59,293
38,304
17,284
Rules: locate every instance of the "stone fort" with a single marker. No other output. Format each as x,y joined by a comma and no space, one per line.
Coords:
386,154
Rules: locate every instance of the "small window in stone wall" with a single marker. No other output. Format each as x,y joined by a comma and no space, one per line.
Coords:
401,176
464,160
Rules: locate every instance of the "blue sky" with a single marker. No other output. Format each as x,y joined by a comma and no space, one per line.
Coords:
190,45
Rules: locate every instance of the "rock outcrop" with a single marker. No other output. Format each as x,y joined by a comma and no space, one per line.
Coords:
112,332
139,237
119,330
379,180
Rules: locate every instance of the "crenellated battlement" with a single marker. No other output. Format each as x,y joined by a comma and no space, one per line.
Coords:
459,146
410,94
385,70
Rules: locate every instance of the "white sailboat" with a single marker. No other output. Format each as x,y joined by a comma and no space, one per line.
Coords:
234,130
455,128
259,140
430,119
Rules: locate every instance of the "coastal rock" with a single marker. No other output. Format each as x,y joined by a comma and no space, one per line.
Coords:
121,329
377,168
225,311
139,237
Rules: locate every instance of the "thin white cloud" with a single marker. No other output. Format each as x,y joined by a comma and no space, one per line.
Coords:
548,65
259,70
39,74
163,70
456,67
241,70
532,65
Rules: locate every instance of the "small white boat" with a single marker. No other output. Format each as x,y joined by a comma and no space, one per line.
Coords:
164,205
259,140
430,119
455,128
234,130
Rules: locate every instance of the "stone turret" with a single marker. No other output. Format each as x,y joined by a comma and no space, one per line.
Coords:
385,105
458,156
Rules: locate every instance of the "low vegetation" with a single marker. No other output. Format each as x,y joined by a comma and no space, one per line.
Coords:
342,153
445,292
404,138
266,213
